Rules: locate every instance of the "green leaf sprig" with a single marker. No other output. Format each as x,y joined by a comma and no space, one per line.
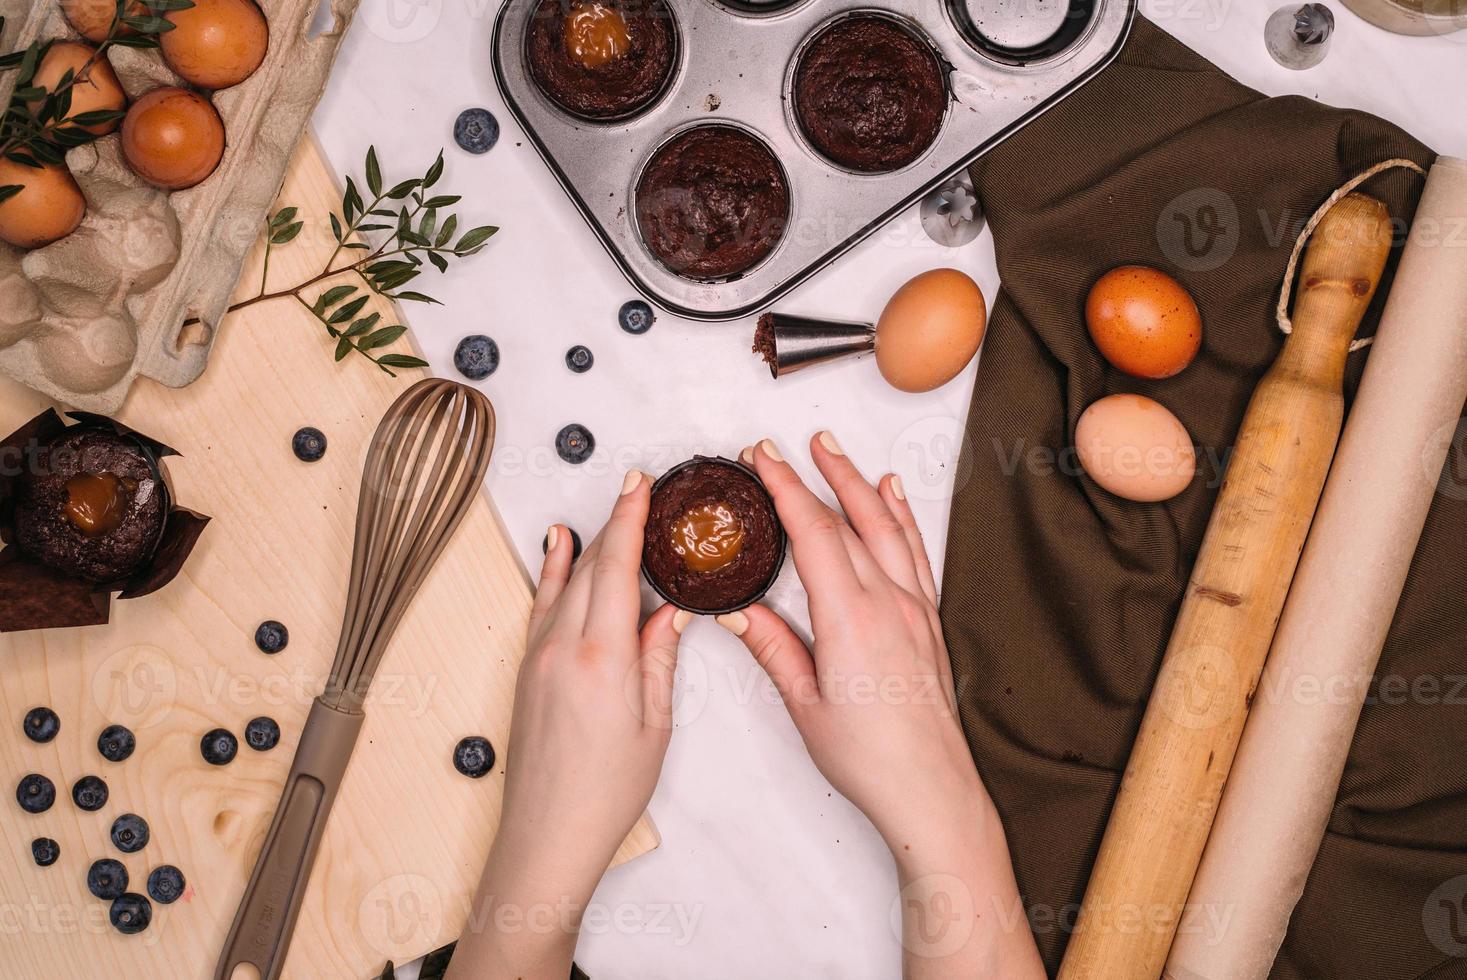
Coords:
37,127
418,236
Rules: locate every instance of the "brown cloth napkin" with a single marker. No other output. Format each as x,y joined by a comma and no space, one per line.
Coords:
1059,598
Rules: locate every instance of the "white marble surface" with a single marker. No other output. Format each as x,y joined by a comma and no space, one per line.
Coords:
763,871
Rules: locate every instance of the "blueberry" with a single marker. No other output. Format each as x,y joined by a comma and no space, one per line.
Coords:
165,885
308,444
262,734
130,833
89,793
579,359
474,757
41,724
107,879
219,747
476,130
574,443
35,794
45,851
477,357
575,544
272,637
131,914
636,317
116,743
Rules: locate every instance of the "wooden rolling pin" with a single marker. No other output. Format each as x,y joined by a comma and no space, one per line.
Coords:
1173,781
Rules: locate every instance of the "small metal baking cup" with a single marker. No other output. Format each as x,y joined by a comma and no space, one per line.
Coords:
763,590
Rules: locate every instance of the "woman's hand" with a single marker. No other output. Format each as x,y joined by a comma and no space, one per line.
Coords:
592,720
875,704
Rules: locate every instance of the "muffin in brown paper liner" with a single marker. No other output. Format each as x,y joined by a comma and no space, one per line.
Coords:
35,594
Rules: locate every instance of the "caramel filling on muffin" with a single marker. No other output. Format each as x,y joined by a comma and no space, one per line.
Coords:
97,502
709,537
596,34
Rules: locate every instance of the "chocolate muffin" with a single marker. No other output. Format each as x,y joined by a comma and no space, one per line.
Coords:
869,94
92,504
712,203
714,543
602,59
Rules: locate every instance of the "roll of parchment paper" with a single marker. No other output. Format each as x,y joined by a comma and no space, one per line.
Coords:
1385,474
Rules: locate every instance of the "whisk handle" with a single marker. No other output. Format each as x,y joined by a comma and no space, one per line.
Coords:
272,901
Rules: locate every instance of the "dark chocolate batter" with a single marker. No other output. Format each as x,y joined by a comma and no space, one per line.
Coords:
608,89
712,203
92,505
869,94
713,481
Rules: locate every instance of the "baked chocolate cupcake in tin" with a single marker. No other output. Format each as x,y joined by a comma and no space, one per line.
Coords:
92,504
712,202
869,93
713,542
602,59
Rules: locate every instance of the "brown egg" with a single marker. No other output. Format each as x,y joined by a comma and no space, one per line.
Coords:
50,207
95,86
216,43
173,138
1144,322
92,19
930,330
1135,448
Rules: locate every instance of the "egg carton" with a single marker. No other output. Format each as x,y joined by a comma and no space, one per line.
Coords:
140,288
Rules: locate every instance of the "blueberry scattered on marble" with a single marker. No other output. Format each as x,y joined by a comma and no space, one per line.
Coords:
308,444
575,544
474,757
107,879
41,724
165,885
46,851
636,317
272,637
131,914
476,357
35,794
262,734
219,747
574,443
116,743
476,130
130,833
90,794
579,359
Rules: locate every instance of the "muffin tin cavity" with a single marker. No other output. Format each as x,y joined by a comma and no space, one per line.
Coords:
712,202
1023,33
869,92
602,60
735,66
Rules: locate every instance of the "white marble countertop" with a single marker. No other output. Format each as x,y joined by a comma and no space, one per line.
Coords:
763,870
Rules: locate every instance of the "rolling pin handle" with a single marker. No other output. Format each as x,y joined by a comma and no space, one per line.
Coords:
260,936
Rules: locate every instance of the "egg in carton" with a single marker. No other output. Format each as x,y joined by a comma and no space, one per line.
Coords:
139,289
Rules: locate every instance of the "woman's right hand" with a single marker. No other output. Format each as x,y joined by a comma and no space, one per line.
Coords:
875,703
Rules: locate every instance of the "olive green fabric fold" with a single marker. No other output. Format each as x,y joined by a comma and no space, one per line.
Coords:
1059,598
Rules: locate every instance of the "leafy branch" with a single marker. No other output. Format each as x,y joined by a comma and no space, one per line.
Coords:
37,128
417,237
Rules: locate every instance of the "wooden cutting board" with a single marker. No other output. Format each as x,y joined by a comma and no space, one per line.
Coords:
409,835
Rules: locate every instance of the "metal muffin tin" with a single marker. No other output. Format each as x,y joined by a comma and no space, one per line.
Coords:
736,67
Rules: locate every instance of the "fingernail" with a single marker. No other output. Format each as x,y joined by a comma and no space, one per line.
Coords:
735,622
747,456
897,490
771,450
831,446
680,621
633,480
551,537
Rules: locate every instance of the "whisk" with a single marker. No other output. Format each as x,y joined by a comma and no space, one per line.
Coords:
427,460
